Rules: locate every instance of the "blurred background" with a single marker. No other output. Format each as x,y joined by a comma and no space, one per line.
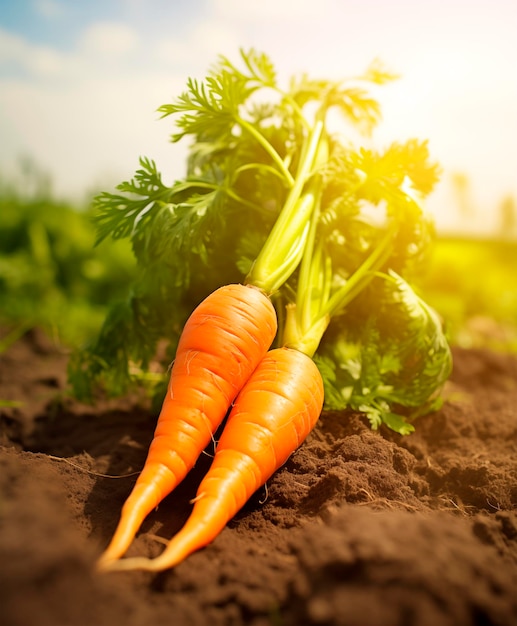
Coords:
80,84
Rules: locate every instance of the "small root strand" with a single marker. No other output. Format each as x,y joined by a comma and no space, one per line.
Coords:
91,472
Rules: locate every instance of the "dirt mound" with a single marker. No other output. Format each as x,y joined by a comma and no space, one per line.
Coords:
359,527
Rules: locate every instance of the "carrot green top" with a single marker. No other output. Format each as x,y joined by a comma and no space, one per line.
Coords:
278,194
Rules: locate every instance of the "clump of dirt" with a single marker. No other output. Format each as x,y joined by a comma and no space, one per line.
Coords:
359,527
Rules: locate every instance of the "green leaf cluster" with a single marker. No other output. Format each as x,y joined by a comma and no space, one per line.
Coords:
270,190
387,356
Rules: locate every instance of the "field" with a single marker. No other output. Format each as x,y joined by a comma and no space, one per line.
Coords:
472,283
359,527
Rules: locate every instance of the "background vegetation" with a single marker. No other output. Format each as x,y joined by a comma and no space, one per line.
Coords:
472,283
53,276
51,273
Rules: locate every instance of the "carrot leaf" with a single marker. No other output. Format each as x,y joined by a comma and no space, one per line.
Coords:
390,365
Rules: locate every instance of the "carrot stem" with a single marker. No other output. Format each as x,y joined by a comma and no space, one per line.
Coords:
283,248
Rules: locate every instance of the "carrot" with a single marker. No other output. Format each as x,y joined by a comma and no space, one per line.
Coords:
272,415
222,342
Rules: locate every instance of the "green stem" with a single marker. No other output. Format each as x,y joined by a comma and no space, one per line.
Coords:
189,183
305,323
193,184
259,166
276,262
268,148
306,279
296,108
239,199
363,274
307,320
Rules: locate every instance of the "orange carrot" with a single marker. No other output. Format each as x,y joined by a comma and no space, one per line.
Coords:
221,344
272,415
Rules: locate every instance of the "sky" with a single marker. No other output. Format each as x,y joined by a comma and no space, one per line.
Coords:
80,83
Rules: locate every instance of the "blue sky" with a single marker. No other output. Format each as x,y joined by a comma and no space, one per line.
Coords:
80,82
61,22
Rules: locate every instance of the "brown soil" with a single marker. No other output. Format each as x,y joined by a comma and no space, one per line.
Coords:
359,528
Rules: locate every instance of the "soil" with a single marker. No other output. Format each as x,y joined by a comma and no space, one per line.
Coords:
358,528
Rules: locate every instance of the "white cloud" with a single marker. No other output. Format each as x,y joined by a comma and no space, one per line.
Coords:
109,38
89,132
105,47
168,51
12,47
17,53
49,8
214,38
289,10
198,47
87,115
